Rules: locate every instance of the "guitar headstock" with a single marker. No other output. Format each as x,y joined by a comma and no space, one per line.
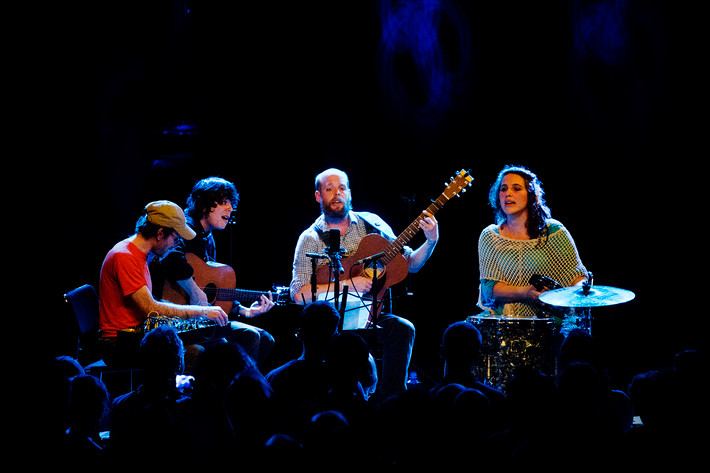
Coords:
458,184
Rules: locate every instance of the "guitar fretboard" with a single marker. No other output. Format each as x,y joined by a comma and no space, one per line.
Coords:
395,248
240,295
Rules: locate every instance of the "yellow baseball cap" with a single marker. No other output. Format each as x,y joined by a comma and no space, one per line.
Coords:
169,214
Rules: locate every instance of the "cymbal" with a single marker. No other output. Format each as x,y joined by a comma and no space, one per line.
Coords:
596,296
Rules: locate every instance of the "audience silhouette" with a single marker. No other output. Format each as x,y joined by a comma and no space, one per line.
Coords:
62,370
316,412
144,421
207,418
300,382
672,405
461,350
89,403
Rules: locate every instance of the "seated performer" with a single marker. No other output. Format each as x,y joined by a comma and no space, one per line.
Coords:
125,286
209,207
523,241
335,199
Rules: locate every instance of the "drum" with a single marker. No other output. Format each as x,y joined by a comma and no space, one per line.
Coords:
509,343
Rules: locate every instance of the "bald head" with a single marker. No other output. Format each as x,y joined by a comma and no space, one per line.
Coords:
332,172
333,194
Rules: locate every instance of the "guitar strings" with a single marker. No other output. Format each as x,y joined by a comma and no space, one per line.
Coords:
240,295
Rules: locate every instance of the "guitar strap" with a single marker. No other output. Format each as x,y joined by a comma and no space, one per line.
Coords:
375,224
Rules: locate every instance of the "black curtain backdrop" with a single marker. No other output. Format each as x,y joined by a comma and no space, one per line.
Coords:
136,101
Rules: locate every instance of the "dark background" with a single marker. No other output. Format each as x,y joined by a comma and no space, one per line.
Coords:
600,98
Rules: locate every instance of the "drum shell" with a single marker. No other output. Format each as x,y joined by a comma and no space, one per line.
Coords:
511,343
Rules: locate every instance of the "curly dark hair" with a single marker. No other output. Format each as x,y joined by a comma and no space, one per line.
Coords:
207,193
538,211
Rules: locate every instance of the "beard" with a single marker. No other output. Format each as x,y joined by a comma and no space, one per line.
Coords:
160,251
329,212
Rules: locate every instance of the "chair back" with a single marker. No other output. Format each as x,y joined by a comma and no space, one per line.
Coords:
84,304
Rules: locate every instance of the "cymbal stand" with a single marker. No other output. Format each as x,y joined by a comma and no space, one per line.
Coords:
586,317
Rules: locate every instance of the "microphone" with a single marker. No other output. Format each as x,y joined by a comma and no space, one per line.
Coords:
334,240
334,249
369,258
316,255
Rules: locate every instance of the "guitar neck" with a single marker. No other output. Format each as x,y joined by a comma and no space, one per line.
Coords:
395,248
238,295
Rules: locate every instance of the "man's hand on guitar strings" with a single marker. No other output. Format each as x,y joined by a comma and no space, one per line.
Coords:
361,285
262,306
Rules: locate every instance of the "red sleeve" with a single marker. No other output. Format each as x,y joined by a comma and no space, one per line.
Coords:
132,274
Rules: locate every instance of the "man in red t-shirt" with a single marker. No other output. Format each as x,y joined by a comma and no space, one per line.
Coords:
125,289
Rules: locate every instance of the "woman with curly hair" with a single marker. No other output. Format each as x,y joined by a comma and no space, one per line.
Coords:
524,241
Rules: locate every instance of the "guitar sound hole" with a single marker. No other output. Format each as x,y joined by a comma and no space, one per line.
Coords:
211,292
369,270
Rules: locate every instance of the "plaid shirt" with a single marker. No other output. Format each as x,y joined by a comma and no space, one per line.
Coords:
310,241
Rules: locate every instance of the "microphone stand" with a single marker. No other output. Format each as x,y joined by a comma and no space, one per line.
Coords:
373,310
342,308
335,271
314,257
335,268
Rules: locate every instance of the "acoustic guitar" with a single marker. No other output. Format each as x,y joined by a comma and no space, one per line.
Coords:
219,283
391,267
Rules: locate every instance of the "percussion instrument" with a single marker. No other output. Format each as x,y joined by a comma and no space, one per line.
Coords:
512,342
586,296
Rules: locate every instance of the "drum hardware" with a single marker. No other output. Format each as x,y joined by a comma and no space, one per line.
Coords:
586,296
512,342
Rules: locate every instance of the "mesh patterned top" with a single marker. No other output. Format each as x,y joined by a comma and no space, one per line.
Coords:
503,259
